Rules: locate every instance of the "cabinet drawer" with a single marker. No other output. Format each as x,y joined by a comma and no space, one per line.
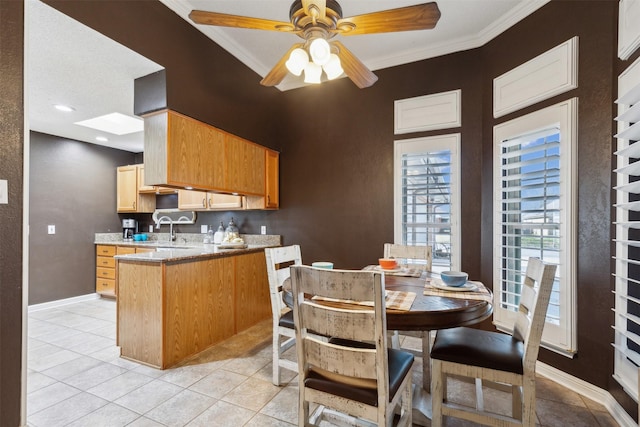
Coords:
106,273
105,250
123,250
105,286
143,250
105,261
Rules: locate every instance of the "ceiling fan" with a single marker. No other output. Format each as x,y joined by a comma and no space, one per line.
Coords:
318,21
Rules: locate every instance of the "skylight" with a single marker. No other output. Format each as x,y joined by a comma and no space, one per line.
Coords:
115,123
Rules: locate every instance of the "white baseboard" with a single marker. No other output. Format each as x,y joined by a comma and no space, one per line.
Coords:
587,390
59,303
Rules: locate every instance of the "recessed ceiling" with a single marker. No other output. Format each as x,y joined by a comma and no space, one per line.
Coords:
69,63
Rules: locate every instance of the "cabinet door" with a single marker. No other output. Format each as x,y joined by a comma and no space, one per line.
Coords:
192,200
245,166
223,201
127,189
252,299
272,197
195,153
142,188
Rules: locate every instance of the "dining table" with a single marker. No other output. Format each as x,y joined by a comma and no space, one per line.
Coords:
430,307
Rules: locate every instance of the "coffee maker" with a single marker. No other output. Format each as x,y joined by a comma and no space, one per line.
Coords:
129,228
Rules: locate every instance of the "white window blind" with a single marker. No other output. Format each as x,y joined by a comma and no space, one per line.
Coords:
627,235
533,209
427,196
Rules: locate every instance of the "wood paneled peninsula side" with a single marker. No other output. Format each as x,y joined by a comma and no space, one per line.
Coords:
175,303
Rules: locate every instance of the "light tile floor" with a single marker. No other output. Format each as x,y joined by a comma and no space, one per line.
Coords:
76,378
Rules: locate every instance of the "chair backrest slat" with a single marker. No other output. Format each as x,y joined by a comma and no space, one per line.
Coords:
335,322
536,291
343,360
410,256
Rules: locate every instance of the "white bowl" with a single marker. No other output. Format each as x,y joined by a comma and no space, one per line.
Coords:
454,278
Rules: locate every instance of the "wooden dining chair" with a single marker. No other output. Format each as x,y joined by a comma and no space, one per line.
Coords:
420,257
410,256
279,260
497,360
353,375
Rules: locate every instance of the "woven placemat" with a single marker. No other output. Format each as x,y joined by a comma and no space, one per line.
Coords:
403,271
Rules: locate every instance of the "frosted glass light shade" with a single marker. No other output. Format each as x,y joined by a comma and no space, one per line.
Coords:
297,61
333,68
320,51
312,73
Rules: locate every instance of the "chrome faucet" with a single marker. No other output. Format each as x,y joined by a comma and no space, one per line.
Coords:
172,236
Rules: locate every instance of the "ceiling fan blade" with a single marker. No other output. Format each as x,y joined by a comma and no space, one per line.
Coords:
354,68
318,7
279,71
419,17
224,20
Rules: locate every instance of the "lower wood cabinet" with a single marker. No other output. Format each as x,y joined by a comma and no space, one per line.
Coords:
172,310
105,270
106,267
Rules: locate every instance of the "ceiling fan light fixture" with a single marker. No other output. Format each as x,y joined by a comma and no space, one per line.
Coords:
333,68
320,51
312,73
298,60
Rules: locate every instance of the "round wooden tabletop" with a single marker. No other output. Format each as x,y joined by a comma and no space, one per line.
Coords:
430,312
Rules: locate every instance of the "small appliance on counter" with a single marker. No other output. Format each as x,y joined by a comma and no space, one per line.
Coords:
129,228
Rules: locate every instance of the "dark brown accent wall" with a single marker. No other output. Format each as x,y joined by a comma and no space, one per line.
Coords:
72,186
595,24
337,168
11,225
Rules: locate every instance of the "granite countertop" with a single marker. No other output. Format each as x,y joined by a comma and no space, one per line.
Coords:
164,254
186,246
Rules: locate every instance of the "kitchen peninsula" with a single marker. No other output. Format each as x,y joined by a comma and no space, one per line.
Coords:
174,303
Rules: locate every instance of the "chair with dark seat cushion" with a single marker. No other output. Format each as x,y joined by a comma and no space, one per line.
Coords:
352,376
279,260
494,359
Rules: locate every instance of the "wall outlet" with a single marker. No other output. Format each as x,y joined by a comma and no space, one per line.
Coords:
51,229
263,229
203,229
150,228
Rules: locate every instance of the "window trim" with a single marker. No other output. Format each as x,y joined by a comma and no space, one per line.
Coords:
558,338
433,143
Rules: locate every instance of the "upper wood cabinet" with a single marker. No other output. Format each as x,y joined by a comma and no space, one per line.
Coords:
142,188
183,152
271,198
129,199
272,180
245,166
203,201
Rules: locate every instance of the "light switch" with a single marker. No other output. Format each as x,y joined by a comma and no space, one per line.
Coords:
51,229
203,229
263,229
4,192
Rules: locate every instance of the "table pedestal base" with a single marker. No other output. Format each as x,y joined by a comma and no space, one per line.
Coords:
421,407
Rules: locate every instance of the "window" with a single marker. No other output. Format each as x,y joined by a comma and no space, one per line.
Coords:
427,196
534,176
627,234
